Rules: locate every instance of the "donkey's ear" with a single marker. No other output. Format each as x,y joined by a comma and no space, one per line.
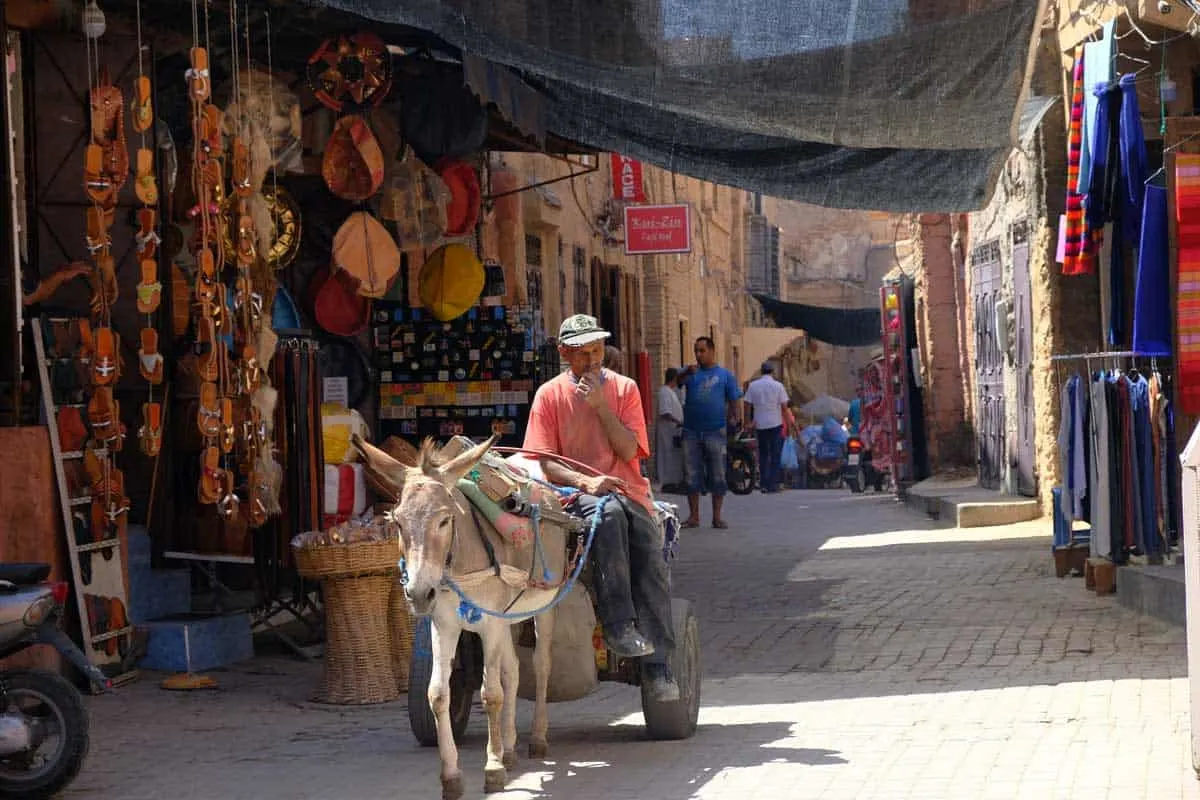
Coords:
463,463
386,473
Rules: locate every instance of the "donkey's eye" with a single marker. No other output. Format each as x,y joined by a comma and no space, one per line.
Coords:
444,523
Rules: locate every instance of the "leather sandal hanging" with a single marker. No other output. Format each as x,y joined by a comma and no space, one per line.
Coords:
150,361
141,107
149,290
147,238
150,433
145,186
208,414
104,366
211,477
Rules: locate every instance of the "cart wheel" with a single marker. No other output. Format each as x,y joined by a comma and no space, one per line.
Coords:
420,715
677,720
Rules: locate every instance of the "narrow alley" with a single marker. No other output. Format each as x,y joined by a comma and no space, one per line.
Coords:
852,651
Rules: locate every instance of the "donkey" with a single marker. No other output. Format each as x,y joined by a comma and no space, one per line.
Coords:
441,537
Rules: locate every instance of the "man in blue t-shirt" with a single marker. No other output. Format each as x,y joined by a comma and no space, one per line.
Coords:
712,395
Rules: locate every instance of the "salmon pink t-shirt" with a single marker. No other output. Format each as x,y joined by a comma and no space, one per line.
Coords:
561,422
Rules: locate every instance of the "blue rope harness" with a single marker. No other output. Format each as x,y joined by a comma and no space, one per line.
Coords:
472,613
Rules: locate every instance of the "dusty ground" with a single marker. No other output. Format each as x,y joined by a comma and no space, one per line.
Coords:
850,651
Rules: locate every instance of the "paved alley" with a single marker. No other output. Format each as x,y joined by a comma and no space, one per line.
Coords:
851,651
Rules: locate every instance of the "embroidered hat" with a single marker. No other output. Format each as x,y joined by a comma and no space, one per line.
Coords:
353,163
580,329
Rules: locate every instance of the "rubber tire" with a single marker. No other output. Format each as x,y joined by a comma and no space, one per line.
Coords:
677,720
66,697
739,477
420,715
858,482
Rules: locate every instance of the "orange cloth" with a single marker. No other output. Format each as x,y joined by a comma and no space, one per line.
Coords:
560,421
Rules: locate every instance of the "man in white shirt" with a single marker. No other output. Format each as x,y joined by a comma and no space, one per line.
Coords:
768,401
668,447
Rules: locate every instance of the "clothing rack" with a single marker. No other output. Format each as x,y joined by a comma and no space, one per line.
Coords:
1102,354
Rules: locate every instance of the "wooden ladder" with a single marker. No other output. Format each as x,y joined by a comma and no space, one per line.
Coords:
105,559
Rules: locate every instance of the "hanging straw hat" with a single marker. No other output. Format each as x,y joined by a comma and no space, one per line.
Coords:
353,163
450,282
462,212
365,250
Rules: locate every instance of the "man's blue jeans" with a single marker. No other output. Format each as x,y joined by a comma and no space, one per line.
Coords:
770,450
629,572
705,452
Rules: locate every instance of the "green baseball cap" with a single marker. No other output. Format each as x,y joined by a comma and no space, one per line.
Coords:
580,329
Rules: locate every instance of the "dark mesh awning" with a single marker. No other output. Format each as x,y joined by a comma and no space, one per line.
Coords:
842,327
879,104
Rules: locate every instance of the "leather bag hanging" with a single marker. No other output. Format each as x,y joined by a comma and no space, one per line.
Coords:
353,162
365,250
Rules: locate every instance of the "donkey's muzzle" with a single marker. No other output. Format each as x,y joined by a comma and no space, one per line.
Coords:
420,600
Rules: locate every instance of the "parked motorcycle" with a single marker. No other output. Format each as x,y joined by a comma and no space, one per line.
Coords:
43,722
741,462
859,471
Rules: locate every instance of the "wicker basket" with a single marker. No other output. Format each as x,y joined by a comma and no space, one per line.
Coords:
402,635
357,581
359,663
347,560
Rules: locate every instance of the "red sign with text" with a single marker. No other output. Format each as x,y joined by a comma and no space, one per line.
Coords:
627,179
658,229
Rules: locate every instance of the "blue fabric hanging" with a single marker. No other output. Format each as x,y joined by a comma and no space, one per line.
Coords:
1152,294
1133,158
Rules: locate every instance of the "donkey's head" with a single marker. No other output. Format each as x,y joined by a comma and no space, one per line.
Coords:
426,509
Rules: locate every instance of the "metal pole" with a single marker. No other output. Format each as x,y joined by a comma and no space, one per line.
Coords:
10,265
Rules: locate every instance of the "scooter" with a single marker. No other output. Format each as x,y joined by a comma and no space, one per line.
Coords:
43,722
859,472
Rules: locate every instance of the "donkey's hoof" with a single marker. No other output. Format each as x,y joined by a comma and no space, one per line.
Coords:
452,788
538,749
509,759
494,780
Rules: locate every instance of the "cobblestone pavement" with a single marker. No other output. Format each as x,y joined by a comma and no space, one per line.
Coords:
850,651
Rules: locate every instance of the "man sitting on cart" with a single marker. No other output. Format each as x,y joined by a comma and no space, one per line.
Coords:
594,416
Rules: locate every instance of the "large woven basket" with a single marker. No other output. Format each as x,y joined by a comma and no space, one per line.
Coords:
347,560
357,581
359,663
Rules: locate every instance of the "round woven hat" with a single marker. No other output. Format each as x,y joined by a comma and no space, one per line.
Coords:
450,282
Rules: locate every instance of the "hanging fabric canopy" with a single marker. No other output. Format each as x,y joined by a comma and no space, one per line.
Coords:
880,104
841,327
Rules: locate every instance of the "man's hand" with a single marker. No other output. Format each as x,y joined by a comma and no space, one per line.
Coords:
600,485
593,393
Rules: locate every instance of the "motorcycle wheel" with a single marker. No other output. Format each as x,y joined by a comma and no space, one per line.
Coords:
857,482
56,704
739,476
